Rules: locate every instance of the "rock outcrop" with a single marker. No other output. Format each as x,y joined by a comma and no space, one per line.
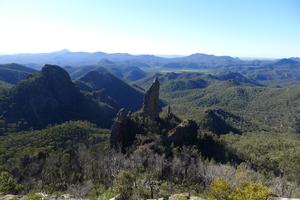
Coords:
127,126
123,130
184,133
184,196
151,101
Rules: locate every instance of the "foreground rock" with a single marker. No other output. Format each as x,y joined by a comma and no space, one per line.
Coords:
9,197
184,196
118,197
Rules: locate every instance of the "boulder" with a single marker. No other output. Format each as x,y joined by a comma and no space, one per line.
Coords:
9,197
184,196
118,197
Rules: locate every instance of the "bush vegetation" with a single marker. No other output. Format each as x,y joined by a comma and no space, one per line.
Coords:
75,157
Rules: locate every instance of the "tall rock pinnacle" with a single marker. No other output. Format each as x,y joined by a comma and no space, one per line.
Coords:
151,101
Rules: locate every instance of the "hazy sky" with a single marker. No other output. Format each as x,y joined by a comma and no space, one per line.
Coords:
249,28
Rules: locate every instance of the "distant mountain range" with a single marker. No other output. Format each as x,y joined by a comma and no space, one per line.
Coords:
13,73
68,58
132,68
296,59
65,58
125,71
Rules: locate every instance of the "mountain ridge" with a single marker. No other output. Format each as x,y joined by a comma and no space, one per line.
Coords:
13,73
49,97
66,57
125,95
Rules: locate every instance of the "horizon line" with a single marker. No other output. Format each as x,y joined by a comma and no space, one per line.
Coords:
146,54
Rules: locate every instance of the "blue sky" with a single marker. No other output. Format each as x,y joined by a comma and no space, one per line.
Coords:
246,28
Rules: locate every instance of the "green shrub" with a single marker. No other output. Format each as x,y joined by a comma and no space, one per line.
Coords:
8,184
219,190
124,184
250,191
33,196
222,190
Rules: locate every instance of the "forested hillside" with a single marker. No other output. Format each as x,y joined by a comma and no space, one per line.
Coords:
265,108
217,128
49,97
122,93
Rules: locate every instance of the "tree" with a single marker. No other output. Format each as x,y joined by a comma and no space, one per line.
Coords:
219,190
80,191
8,184
124,184
251,191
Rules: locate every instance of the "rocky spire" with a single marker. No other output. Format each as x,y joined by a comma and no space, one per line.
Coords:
151,101
169,110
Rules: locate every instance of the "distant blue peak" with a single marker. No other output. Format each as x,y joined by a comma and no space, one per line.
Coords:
63,51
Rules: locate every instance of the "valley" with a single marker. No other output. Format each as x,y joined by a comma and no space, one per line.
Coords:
168,125
149,100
